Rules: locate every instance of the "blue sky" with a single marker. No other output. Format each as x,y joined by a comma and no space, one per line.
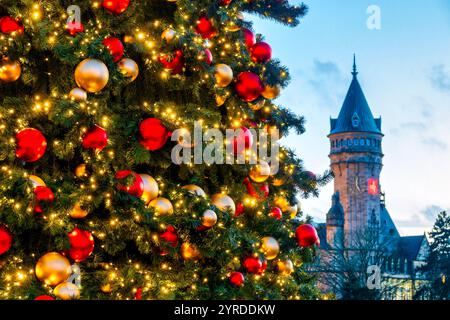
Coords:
404,69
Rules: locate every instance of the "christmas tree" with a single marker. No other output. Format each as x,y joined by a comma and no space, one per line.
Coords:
92,203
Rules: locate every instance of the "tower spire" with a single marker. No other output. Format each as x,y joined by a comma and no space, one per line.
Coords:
355,71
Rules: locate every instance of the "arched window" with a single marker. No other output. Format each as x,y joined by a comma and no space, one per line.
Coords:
349,142
368,142
355,142
361,142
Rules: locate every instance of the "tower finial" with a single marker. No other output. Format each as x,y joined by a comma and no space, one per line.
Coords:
355,71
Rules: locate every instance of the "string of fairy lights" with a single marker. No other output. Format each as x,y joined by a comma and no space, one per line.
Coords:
149,40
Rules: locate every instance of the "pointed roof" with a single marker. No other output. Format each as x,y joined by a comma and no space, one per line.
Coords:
355,114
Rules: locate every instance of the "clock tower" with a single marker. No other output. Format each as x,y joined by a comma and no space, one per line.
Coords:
356,161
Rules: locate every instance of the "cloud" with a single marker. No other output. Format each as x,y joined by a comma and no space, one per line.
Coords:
425,218
435,143
440,78
416,126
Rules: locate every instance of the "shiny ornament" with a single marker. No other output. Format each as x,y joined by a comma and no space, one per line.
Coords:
285,267
81,244
240,209
292,211
150,188
237,279
162,206
270,247
205,28
170,236
92,75
282,203
81,171
261,192
224,2
260,172
248,86
106,288
10,71
43,196
9,25
261,52
136,188
74,28
168,34
224,203
306,235
67,291
243,141
209,218
77,212
154,134
30,145
95,138
223,74
258,105
44,297
174,62
128,68
53,268
115,47
276,213
208,56
5,239
254,265
220,100
249,38
195,190
189,251
271,92
116,6
36,181
78,95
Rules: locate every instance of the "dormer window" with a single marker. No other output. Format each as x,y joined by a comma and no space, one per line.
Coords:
355,120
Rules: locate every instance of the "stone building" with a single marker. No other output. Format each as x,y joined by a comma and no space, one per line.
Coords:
358,226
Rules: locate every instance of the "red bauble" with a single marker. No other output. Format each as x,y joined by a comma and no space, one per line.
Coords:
261,52
5,239
44,297
243,140
116,6
30,145
170,236
9,25
115,47
174,63
95,138
248,86
249,38
81,244
208,56
237,278
276,213
43,195
75,27
138,294
154,134
136,188
205,28
225,2
255,265
306,235
265,190
240,209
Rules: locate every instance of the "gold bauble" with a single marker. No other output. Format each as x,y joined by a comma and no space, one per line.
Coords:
223,75
260,172
282,203
106,288
78,95
128,68
92,75
77,212
150,188
285,267
81,171
162,206
128,39
270,247
53,268
209,218
292,211
36,181
270,92
224,203
258,105
220,100
278,182
189,251
10,71
168,34
232,27
67,291
195,190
